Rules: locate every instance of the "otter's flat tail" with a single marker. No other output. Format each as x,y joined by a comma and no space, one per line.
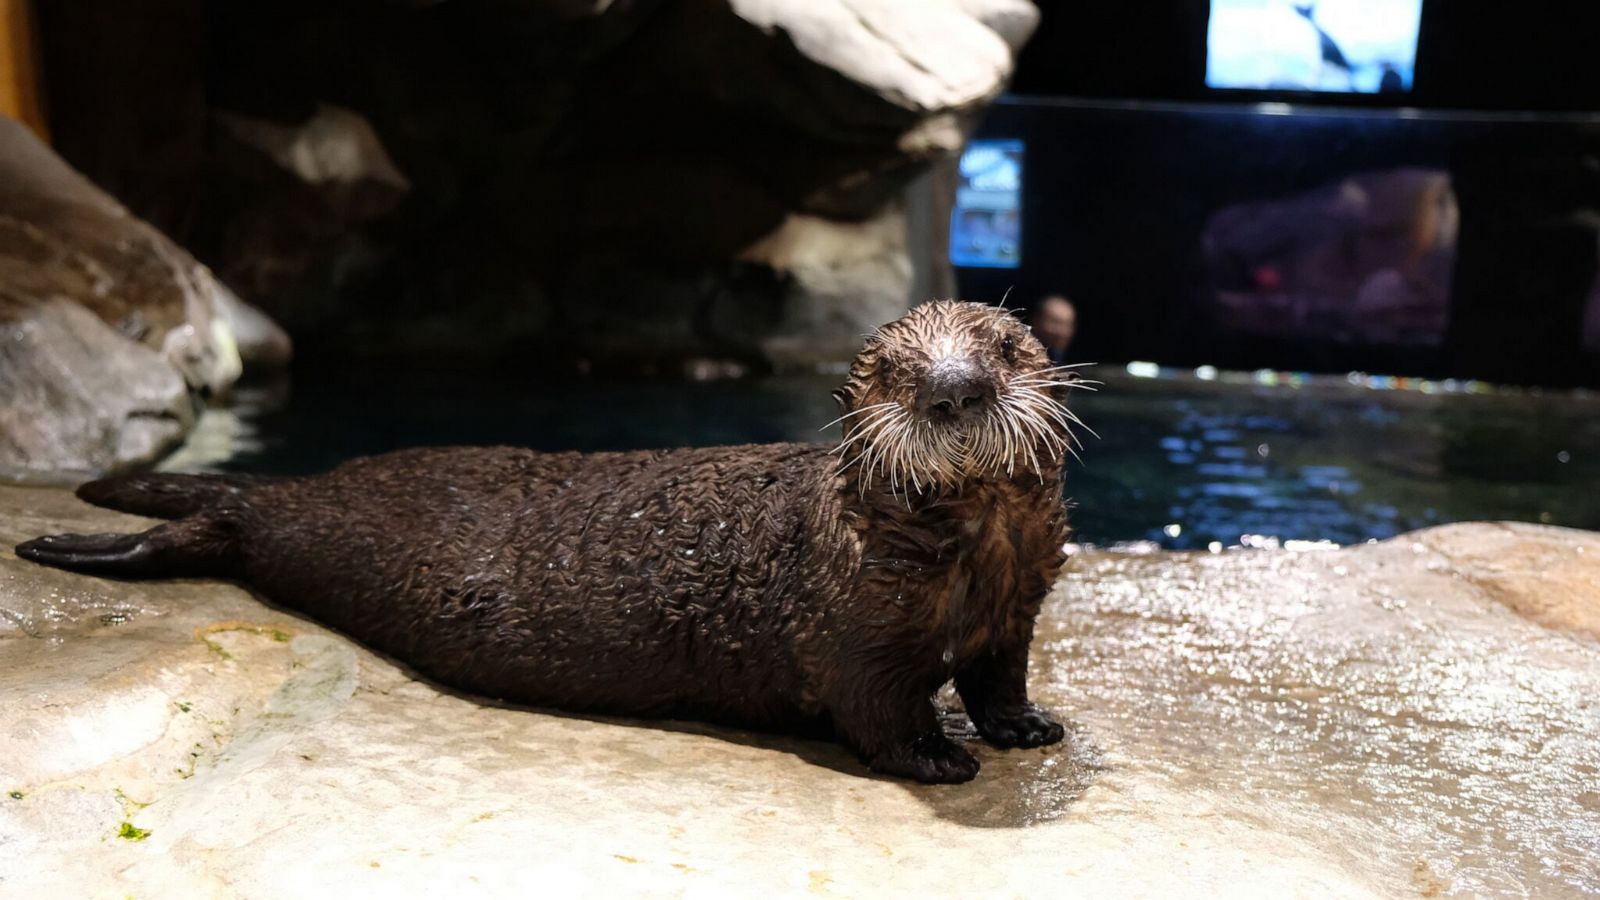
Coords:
194,546
162,496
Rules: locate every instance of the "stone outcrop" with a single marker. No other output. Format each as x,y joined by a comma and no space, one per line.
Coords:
1373,721
106,326
78,398
600,180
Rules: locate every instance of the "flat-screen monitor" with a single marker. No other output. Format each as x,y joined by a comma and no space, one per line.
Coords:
1339,46
986,224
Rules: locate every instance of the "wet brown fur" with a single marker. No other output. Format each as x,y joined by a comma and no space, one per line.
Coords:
776,586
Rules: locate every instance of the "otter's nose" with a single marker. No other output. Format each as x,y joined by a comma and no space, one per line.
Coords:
956,387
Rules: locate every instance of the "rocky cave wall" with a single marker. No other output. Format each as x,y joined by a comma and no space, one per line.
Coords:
617,182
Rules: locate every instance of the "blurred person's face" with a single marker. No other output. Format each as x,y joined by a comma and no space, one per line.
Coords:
1056,324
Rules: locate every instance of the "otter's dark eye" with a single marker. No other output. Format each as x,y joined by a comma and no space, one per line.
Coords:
1009,348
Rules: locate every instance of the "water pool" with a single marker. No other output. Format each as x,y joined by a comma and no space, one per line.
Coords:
1180,462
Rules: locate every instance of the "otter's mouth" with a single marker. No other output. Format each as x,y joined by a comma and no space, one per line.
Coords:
954,434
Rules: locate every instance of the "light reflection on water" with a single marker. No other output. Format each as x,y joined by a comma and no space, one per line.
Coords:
1182,464
1185,463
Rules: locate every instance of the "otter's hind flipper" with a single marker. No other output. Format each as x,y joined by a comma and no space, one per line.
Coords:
163,496
194,546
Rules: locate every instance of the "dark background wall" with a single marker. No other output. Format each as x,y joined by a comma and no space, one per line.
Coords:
1129,154
1472,54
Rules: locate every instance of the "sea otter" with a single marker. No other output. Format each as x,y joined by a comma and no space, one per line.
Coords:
785,586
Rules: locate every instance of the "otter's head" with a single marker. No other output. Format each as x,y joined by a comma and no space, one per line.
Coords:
950,392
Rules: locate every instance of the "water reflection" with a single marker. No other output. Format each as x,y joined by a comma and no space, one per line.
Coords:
1188,464
1184,464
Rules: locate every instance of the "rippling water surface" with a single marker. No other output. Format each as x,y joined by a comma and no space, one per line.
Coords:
1179,462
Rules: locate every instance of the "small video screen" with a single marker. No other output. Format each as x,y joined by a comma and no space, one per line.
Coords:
1335,46
986,224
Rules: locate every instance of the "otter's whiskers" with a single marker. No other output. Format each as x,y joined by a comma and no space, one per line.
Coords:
1027,427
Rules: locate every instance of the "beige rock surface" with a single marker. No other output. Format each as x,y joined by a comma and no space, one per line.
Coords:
1549,575
1364,722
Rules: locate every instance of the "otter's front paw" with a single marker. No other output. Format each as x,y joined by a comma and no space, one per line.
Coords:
1031,727
931,759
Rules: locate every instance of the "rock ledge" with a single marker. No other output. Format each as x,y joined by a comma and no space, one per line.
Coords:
1374,721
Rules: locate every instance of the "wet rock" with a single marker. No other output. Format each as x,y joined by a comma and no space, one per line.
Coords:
1363,722
105,325
78,398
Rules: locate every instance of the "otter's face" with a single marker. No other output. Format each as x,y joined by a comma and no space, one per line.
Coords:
952,391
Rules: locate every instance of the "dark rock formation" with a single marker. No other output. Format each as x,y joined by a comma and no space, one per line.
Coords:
106,326
627,180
